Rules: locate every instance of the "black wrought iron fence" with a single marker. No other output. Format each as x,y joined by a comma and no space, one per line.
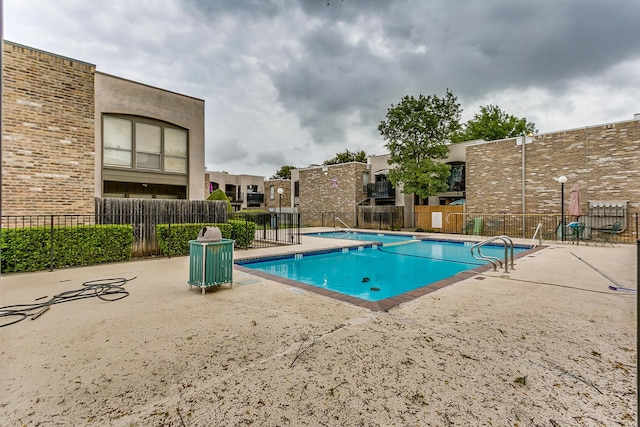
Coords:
621,228
39,242
380,217
341,219
271,229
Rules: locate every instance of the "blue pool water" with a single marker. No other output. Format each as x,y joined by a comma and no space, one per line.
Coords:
367,237
376,272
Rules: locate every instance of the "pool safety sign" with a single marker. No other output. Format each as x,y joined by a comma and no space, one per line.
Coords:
436,219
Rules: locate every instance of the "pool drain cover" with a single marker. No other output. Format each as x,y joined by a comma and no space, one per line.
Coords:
375,289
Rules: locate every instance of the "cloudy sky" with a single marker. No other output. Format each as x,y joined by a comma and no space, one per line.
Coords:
293,82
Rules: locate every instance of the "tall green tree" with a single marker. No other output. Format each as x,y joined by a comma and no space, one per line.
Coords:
283,173
347,156
492,123
417,131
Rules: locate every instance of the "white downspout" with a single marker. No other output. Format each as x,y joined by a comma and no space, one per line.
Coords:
522,141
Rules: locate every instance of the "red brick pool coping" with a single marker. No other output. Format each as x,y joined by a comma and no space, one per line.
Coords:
387,303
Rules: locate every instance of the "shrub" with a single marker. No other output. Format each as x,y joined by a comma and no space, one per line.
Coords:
29,249
178,236
243,232
259,216
218,194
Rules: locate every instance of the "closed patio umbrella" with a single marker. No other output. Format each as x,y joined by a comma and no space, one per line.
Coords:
574,202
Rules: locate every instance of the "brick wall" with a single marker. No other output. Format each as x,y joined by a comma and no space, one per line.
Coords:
274,203
603,160
48,147
336,190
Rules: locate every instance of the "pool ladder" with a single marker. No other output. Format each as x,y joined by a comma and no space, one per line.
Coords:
349,230
495,261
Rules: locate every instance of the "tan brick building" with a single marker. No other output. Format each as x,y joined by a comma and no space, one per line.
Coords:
517,175
332,190
48,144
273,200
71,134
510,176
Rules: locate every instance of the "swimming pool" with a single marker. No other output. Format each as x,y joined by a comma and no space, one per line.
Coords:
373,272
367,237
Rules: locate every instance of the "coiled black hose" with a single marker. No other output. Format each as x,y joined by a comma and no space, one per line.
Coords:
105,289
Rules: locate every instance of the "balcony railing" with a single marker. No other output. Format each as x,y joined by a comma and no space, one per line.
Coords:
380,190
255,199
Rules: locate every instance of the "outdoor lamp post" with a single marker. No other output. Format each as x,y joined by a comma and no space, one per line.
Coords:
562,180
281,190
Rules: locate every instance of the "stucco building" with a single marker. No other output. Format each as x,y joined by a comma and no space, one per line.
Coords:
243,191
149,141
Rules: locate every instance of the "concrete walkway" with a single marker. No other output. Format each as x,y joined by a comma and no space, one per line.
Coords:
549,343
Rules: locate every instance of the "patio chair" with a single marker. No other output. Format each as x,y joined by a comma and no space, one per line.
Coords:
607,234
468,227
555,234
576,232
492,227
473,226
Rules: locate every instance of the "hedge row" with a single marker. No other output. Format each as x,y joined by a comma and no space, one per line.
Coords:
178,235
29,249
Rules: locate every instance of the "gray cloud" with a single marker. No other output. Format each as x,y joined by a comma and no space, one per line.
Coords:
296,81
226,151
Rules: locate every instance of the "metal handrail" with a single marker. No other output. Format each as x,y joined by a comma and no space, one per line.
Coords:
538,229
343,223
508,245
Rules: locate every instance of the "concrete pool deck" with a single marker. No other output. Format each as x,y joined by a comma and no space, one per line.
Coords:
546,344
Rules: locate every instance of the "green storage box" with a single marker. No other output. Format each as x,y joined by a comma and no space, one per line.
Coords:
210,263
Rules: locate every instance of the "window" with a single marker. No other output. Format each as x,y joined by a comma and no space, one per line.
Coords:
144,144
456,179
117,142
148,146
175,150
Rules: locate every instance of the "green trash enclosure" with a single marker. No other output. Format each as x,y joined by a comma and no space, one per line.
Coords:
210,263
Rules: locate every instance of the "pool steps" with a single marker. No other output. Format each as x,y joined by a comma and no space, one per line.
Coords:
495,261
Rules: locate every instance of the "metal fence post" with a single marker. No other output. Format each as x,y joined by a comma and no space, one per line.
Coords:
169,239
265,218
51,251
246,230
637,263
